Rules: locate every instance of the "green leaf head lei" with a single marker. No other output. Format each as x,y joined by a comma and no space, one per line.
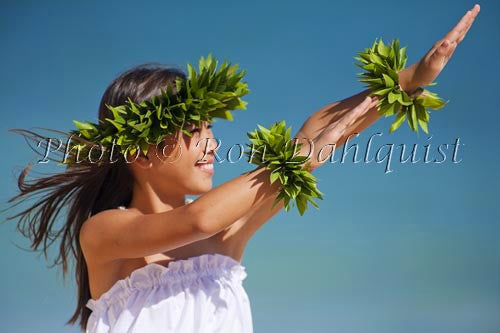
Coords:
381,64
212,92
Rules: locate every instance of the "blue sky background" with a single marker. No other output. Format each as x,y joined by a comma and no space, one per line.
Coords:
413,250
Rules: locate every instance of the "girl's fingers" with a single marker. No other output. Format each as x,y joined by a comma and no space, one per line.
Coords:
333,132
462,36
355,113
451,49
463,24
337,130
374,102
443,52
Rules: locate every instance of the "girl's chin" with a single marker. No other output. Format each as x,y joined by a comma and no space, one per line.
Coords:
202,189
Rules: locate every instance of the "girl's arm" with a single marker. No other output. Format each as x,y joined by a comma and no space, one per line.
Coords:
412,77
240,232
334,112
115,234
419,74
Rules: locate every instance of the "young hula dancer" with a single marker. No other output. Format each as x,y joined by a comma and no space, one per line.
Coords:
149,260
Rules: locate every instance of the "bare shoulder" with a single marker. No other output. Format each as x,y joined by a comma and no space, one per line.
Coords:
116,234
100,224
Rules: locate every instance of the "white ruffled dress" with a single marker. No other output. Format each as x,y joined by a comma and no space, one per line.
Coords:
198,294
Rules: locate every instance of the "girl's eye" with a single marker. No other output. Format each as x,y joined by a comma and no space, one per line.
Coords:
197,129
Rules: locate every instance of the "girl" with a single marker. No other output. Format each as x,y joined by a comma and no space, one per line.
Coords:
147,259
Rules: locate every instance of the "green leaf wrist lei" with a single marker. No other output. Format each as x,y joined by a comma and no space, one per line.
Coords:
382,64
209,93
273,149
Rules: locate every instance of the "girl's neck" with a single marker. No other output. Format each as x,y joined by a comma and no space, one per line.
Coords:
148,201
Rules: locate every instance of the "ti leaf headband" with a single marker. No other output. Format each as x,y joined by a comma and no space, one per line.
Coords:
209,93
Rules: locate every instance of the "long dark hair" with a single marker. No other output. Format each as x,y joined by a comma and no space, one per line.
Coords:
86,189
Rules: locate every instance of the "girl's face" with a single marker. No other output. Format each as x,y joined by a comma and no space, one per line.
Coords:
183,165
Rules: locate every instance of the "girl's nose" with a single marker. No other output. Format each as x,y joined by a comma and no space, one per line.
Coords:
212,144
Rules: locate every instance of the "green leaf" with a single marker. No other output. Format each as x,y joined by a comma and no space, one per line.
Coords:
84,125
388,81
274,177
413,115
392,97
430,100
392,109
423,124
383,92
400,118
382,48
301,204
422,117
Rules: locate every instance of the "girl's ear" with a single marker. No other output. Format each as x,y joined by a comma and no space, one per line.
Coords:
142,161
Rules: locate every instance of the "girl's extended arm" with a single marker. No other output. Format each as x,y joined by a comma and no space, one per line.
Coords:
419,74
114,234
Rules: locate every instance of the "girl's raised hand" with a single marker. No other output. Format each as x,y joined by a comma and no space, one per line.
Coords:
323,144
429,67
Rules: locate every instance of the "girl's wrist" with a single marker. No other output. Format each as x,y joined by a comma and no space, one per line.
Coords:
307,150
288,162
406,81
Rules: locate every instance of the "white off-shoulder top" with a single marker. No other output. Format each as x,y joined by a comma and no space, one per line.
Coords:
198,294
